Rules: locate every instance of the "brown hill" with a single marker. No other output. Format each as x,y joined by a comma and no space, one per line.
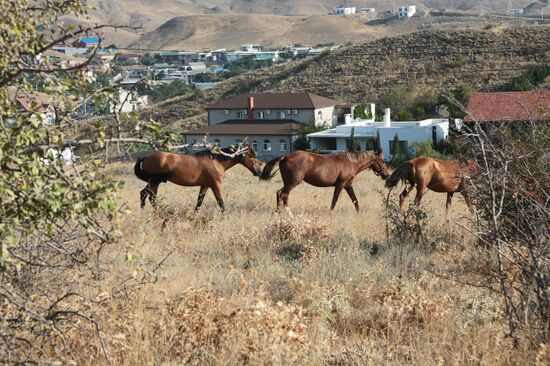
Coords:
150,14
483,60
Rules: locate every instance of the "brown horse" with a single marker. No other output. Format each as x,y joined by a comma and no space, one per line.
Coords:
334,170
445,176
204,169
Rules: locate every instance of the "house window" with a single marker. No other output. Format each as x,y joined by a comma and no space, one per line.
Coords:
217,142
287,111
254,145
402,148
283,146
226,111
281,115
267,145
267,111
260,115
294,111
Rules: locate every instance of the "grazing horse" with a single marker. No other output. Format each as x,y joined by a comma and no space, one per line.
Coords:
204,169
333,170
445,176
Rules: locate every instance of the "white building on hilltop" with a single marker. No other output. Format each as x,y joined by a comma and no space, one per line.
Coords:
406,11
366,132
345,11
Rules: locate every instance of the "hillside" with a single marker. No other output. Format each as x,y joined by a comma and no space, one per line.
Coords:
483,60
231,31
151,14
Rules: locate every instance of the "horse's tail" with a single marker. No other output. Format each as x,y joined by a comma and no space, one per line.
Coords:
401,174
266,172
149,177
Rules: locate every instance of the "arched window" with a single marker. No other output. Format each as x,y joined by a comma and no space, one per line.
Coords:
217,142
267,145
254,145
238,141
283,145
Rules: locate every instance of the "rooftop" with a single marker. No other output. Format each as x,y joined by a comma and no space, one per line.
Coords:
278,101
509,106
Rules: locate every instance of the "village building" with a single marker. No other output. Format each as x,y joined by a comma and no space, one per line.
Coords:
270,121
87,42
345,10
254,55
38,104
406,11
509,107
366,132
367,11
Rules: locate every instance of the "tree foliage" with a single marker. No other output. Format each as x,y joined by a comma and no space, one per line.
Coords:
54,218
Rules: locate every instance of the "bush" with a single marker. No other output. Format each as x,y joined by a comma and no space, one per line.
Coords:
425,148
514,226
531,78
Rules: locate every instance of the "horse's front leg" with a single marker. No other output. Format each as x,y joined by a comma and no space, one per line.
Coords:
351,194
200,199
337,190
217,189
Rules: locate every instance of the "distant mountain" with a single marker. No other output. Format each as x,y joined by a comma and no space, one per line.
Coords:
151,14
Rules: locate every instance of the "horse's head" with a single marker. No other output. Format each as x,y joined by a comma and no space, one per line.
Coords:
250,161
379,166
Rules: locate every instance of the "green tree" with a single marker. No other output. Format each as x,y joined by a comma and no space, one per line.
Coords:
301,142
352,142
54,218
362,111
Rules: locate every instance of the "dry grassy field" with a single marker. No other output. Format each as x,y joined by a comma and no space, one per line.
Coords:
253,287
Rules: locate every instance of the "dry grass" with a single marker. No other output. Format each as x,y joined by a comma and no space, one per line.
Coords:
249,286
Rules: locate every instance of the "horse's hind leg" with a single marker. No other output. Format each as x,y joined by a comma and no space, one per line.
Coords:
143,195
278,194
283,195
448,204
153,189
404,195
351,194
202,193
337,190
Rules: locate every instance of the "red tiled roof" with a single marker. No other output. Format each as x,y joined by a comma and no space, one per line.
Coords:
31,103
278,101
245,128
509,106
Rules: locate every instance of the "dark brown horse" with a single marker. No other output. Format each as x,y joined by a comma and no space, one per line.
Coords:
334,170
445,176
205,169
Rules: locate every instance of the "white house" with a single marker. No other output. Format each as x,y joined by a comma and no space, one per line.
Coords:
367,10
345,11
270,121
366,132
406,11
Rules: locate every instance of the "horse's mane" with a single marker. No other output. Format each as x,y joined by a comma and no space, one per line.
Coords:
219,157
359,156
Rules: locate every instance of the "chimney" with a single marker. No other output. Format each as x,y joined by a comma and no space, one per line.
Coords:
372,112
387,117
347,119
250,109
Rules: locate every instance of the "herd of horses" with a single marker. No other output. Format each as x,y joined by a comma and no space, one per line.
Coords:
206,169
